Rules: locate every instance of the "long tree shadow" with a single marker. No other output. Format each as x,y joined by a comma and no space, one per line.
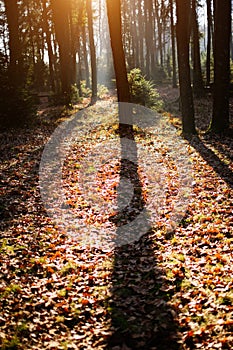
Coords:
212,159
222,144
140,314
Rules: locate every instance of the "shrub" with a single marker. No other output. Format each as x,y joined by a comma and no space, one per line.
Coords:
143,91
74,94
102,91
86,91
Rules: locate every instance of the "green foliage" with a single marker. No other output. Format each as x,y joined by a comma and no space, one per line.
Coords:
11,344
74,94
86,91
102,91
143,91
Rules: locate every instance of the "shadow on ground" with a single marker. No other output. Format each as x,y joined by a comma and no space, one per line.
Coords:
213,159
140,314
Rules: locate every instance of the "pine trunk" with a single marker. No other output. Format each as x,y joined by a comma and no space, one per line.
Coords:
186,96
222,33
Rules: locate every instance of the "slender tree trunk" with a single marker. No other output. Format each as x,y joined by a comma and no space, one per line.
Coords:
16,59
198,87
73,47
174,75
159,27
147,39
123,92
151,37
92,51
187,107
141,29
114,20
135,35
31,38
85,56
209,31
49,47
60,9
79,68
222,34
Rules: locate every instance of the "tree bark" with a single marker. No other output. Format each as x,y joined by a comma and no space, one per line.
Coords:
209,31
85,58
60,9
198,87
174,75
92,51
49,46
186,96
222,34
15,68
114,20
141,29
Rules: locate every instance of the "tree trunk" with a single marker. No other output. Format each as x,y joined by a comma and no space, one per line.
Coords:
60,9
141,29
135,34
16,59
209,31
159,26
73,47
92,51
198,87
147,39
174,75
186,96
151,37
222,34
85,58
114,20
49,46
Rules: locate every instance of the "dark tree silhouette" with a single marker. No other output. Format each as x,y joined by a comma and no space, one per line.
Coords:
186,96
209,36
174,75
16,59
114,20
198,87
61,12
222,34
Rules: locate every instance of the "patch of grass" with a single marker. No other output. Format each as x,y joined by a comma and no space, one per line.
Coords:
22,328
12,288
11,344
62,292
69,267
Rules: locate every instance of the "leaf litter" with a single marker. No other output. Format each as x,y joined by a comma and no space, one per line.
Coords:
165,291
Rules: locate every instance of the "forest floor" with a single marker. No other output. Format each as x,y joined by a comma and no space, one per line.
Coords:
164,291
